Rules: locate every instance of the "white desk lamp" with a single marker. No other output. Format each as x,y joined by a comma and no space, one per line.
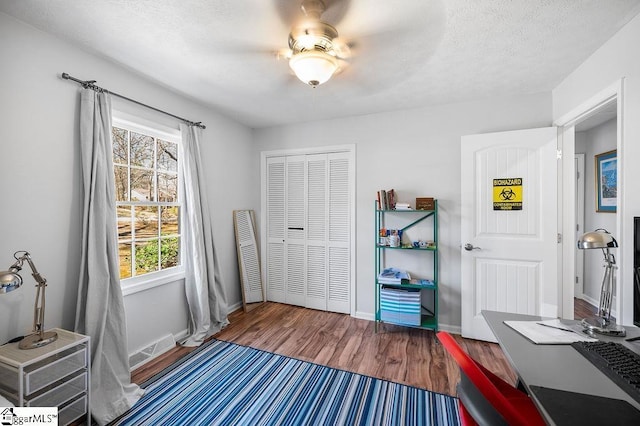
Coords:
603,323
10,280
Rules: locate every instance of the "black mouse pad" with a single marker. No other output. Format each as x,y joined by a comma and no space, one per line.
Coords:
571,408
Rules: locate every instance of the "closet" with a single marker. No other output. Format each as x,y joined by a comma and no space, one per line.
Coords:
308,205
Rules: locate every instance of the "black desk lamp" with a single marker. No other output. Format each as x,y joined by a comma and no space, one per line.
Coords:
10,280
603,323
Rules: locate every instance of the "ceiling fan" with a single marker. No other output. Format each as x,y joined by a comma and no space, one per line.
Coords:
316,52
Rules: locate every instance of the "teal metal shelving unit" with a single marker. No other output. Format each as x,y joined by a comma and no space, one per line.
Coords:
428,317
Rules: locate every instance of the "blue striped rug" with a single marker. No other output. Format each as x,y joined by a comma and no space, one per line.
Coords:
227,384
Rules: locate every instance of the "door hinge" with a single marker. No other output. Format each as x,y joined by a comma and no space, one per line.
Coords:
559,238
559,154
577,280
577,175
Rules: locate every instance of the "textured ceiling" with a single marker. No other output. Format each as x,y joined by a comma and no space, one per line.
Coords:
406,53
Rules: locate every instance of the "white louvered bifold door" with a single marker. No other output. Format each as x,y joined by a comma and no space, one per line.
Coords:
275,215
248,256
338,241
295,232
316,256
309,202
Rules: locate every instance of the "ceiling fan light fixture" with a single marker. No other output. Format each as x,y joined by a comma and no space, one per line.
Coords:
313,67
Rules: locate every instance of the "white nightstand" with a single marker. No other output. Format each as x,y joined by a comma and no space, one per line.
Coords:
55,375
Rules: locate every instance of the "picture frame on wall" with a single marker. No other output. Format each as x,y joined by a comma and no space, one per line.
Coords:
606,181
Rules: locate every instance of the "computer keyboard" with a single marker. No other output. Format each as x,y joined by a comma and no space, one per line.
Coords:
618,362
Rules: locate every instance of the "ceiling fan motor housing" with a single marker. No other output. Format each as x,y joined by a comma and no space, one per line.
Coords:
313,57
311,35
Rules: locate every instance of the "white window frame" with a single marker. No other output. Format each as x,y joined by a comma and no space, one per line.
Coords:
149,280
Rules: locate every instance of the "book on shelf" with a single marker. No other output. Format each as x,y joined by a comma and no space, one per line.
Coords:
391,194
383,198
387,199
393,276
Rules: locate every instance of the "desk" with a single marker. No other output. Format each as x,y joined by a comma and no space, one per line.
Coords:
554,366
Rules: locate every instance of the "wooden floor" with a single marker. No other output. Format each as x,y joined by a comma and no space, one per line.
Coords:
400,354
583,309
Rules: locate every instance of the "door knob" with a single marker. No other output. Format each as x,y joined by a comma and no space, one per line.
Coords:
469,247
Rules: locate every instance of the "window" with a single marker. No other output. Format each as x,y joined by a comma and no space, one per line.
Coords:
146,164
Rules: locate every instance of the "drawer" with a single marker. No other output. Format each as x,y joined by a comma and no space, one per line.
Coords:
61,394
52,369
73,411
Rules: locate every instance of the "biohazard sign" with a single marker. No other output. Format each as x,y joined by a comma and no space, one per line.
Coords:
507,194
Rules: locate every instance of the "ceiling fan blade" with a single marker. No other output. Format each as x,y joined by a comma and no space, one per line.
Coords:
342,47
289,10
335,10
386,52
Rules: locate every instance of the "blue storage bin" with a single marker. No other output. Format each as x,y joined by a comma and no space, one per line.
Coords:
400,306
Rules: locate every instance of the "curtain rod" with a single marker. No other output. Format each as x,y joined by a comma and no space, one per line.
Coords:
90,84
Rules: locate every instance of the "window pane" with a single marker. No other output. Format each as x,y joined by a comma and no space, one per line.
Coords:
146,222
169,220
167,187
146,176
146,257
169,252
142,150
142,188
124,253
124,222
122,183
120,150
167,156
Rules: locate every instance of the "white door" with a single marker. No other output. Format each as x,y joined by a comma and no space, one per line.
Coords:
295,244
340,198
328,263
509,257
316,260
285,249
275,229
309,199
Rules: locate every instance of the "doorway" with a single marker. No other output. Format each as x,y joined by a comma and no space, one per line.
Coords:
594,136
589,128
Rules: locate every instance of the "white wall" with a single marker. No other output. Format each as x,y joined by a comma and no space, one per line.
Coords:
616,59
416,152
595,141
41,185
40,176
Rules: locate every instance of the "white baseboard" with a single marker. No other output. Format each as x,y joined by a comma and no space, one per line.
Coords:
364,315
454,329
234,307
590,300
152,351
162,345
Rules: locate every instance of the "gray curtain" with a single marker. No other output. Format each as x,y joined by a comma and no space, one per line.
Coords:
203,285
100,311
